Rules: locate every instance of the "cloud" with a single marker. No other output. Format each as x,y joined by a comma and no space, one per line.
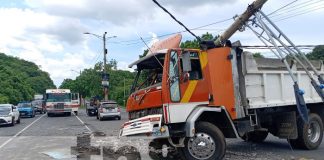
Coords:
64,29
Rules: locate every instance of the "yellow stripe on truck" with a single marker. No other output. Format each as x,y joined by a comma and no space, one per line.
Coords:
190,89
203,59
193,83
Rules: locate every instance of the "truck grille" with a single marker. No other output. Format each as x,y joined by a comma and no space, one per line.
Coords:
59,106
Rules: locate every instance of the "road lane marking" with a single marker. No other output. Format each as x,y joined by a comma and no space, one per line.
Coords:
17,134
83,123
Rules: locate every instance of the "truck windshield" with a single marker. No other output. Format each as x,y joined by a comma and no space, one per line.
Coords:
58,97
147,77
37,103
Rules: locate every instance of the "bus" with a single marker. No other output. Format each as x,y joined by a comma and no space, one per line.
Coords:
61,101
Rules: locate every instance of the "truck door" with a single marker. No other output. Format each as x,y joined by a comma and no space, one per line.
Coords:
186,84
75,99
186,77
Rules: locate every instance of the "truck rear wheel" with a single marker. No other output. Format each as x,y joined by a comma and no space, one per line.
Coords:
309,135
255,136
207,144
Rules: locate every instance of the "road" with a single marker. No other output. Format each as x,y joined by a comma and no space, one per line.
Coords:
45,138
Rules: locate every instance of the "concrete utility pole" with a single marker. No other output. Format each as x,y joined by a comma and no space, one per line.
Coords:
105,80
239,22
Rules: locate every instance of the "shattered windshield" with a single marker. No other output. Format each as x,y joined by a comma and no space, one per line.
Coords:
149,72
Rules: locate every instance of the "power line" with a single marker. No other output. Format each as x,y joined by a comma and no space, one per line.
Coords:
295,8
299,13
282,7
275,13
137,41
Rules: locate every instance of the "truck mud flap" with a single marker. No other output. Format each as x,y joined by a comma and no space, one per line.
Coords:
285,125
300,102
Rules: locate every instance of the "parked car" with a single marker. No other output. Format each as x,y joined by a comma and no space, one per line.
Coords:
91,110
26,109
108,109
9,114
39,106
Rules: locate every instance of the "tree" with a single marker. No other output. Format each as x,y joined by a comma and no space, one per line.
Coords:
88,84
317,53
195,43
20,80
258,55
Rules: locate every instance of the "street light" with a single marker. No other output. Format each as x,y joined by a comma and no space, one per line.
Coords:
105,82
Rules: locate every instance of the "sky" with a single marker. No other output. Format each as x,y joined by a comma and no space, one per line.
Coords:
50,32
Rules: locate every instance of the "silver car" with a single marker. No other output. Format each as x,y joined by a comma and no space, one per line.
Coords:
108,109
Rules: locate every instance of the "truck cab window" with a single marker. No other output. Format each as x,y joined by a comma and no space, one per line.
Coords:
195,73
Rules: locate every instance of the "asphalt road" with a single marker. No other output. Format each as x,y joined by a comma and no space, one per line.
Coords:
45,138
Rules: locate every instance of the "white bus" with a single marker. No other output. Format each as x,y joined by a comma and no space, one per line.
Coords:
61,101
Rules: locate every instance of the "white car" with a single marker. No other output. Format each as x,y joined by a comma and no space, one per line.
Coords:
9,114
108,109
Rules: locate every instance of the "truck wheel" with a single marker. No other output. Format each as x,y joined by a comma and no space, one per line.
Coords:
160,149
309,135
76,113
255,136
207,144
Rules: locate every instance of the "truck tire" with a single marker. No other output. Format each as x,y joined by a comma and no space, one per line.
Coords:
157,150
207,144
309,135
255,136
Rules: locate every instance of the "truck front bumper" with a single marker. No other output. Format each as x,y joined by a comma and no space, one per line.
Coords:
54,111
148,126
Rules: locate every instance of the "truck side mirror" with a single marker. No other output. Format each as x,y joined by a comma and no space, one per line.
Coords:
186,63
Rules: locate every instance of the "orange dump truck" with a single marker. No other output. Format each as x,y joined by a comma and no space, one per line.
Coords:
193,99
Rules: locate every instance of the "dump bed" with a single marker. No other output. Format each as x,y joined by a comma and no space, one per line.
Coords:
265,82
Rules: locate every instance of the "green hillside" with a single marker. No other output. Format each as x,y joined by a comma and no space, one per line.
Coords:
20,80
